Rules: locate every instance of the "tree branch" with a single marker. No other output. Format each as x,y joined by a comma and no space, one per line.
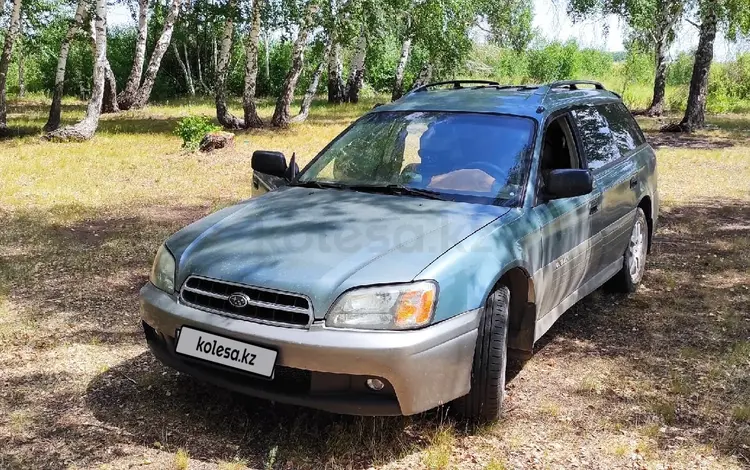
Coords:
693,23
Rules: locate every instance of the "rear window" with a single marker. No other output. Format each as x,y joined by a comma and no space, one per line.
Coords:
598,141
623,127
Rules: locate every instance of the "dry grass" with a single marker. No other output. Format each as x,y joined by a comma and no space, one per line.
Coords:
657,378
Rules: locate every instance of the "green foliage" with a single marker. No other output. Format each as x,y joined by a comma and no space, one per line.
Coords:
680,70
192,129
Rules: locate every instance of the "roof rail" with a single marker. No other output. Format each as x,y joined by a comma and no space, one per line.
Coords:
456,84
573,84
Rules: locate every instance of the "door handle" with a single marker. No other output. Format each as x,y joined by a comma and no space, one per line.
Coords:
633,182
594,207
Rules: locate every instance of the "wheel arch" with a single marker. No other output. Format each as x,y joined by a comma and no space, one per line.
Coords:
522,308
648,210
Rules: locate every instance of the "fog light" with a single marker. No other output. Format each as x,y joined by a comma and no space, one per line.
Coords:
375,384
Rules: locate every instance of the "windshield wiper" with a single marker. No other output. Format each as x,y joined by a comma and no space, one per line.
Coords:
320,184
400,190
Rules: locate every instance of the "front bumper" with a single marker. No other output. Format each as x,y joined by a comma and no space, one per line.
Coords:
422,368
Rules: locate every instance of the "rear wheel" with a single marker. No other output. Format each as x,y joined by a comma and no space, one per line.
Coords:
634,259
485,400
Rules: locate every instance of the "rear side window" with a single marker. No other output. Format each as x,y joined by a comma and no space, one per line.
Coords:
623,127
598,141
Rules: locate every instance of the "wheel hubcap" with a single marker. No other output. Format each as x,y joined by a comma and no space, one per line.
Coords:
637,251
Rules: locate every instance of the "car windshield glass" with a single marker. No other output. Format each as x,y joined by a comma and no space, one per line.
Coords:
458,156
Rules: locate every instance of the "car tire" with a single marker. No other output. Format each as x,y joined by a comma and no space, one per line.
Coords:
634,260
485,400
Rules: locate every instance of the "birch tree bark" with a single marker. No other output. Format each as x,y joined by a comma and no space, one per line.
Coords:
398,76
252,120
307,100
425,75
281,115
335,81
357,71
204,88
695,113
185,71
225,118
86,128
21,76
304,109
109,101
127,96
10,39
149,78
191,83
53,121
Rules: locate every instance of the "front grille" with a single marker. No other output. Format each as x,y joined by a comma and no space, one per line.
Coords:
263,305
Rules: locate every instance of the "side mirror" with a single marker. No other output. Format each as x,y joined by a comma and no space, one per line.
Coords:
560,184
269,163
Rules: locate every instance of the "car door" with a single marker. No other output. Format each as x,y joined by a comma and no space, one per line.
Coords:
609,146
566,231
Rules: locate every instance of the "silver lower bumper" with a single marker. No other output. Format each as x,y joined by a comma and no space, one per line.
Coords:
426,367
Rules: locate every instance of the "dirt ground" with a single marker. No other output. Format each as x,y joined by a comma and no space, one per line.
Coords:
656,379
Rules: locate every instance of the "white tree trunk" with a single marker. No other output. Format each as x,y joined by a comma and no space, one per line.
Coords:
185,71
335,72
424,77
127,96
86,128
357,71
282,115
10,39
225,118
53,121
268,54
144,92
204,88
109,101
398,76
304,109
252,120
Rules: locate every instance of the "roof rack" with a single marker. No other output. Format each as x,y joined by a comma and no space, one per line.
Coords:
456,84
573,84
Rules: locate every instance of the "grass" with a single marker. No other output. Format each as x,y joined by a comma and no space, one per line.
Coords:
659,377
181,460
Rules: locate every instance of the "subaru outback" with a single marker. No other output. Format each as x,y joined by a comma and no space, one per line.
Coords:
398,270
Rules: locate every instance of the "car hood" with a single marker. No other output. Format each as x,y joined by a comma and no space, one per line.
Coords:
322,242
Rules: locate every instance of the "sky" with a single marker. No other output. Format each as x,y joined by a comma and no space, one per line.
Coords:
552,22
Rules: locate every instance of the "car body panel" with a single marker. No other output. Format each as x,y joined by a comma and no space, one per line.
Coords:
322,242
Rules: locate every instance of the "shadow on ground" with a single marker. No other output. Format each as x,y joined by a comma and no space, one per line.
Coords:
671,332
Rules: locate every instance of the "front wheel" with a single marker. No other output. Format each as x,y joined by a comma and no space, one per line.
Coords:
485,400
634,259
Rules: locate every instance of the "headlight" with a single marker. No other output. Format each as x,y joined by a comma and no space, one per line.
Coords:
162,273
397,307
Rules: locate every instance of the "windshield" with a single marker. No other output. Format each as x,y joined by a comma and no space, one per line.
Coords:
459,156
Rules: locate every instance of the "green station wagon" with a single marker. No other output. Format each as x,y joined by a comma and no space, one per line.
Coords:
432,239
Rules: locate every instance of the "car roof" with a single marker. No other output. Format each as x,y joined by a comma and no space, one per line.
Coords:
534,101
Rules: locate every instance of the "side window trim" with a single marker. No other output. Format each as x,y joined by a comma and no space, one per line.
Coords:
564,113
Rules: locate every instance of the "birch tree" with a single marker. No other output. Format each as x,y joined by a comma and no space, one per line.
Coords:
226,118
304,110
140,98
10,39
357,68
127,96
282,115
398,77
86,128
252,120
652,23
53,121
